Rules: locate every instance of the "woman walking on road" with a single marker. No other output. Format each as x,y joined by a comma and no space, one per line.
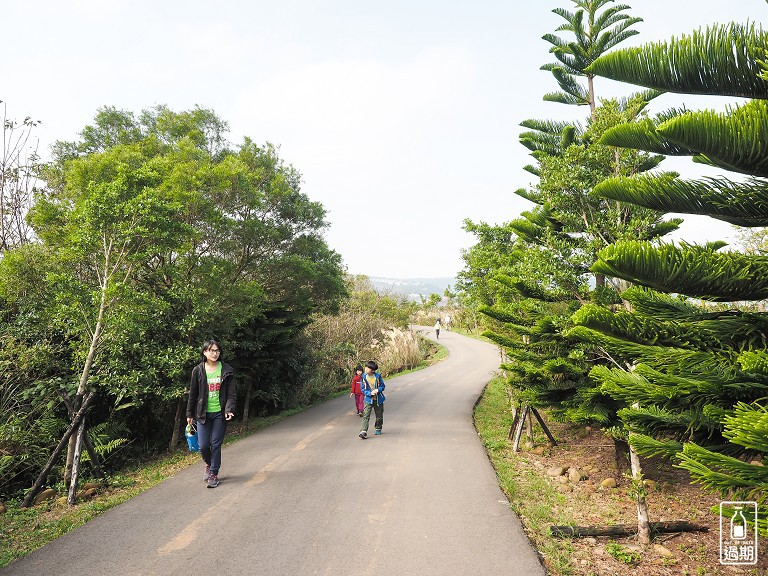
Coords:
437,329
211,403
372,385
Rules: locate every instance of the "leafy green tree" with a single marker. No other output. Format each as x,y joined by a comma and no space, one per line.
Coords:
106,222
570,220
154,235
494,251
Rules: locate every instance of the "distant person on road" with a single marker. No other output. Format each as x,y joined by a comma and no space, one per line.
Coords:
212,398
437,329
447,322
372,385
354,390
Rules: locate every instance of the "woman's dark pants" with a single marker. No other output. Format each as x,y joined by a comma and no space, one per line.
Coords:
210,435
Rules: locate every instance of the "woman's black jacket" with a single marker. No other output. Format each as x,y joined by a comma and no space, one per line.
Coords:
198,391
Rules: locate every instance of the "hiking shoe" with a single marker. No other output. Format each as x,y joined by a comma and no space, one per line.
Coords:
363,434
213,481
207,473
378,432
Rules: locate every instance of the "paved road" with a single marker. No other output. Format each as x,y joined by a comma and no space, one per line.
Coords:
307,496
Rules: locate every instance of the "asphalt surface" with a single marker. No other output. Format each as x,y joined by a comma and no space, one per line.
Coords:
307,496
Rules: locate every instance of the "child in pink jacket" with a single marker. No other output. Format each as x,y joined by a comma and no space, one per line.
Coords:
355,391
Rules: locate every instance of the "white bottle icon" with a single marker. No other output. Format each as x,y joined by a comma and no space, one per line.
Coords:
738,525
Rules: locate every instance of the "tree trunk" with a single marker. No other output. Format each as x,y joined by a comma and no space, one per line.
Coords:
621,454
57,451
643,529
519,429
177,419
87,369
625,529
94,341
94,457
529,428
247,403
552,441
88,444
72,496
599,280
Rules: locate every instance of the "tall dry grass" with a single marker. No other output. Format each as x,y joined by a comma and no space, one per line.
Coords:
397,350
369,326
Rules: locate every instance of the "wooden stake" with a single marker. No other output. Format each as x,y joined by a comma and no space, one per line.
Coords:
247,402
552,441
519,429
178,418
529,427
515,417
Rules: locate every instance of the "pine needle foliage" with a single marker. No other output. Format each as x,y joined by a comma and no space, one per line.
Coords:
755,362
674,425
529,289
735,140
664,358
748,426
643,135
721,60
649,446
698,271
712,331
545,368
661,305
744,203
723,473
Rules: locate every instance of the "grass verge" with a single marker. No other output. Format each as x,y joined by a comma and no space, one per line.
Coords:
532,497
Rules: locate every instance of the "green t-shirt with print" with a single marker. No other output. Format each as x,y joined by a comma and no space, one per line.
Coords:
214,386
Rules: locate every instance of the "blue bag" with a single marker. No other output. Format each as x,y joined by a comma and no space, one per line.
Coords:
191,434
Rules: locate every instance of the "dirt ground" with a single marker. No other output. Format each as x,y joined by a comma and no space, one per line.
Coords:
671,496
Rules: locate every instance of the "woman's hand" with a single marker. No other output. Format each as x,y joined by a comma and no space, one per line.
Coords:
229,416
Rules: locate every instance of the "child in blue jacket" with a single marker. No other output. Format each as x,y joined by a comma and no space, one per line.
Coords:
372,387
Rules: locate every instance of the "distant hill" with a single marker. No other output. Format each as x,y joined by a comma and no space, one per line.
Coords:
413,288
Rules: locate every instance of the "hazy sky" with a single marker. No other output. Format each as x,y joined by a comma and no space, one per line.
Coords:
402,116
